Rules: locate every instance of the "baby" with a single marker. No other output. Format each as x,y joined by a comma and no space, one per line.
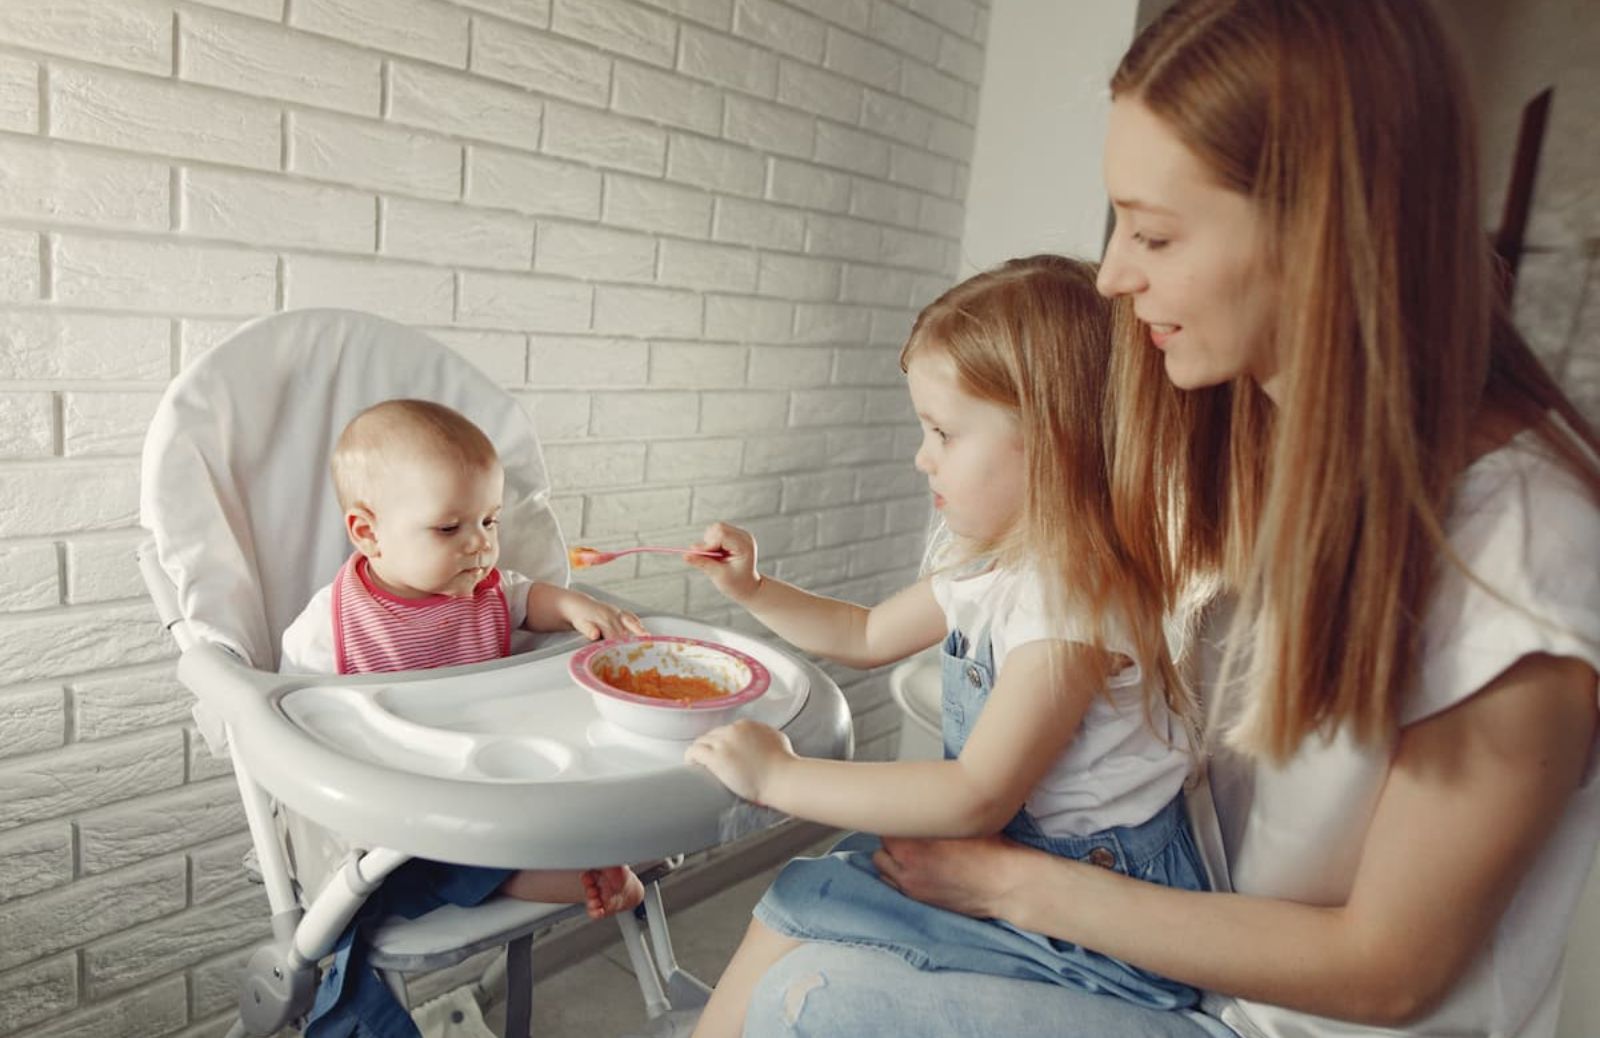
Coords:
421,488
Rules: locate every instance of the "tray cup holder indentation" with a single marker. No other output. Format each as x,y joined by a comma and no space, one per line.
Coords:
521,760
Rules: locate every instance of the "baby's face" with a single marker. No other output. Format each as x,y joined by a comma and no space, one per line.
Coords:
437,529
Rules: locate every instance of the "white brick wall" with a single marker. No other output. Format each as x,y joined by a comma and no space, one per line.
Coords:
687,234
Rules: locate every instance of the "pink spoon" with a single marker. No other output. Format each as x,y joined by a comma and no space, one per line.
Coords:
582,558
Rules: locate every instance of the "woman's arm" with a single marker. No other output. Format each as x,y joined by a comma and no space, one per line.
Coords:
1471,796
1033,711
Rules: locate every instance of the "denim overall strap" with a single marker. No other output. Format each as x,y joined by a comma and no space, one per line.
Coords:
965,685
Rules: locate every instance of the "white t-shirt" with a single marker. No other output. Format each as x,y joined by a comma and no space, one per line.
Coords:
1116,770
1530,531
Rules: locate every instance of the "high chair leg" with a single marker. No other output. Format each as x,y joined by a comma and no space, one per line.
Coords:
684,990
655,1000
519,987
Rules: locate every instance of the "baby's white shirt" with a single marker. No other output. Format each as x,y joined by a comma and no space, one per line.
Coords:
1118,770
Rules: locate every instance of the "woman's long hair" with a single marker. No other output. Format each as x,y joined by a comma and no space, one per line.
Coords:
1346,122
1033,336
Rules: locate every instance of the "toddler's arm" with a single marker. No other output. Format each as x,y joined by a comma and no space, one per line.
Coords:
843,631
1034,710
552,608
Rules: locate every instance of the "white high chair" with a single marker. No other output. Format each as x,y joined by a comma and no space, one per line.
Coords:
502,764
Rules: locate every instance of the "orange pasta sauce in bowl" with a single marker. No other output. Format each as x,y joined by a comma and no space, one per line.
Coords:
668,687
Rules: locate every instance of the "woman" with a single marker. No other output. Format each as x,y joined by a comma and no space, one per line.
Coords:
1324,410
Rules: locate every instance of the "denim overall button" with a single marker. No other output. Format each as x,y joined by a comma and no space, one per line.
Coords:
973,677
1102,857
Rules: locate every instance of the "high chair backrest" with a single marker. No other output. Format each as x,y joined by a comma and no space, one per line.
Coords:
235,486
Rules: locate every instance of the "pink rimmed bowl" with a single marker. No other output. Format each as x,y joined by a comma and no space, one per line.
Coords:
743,677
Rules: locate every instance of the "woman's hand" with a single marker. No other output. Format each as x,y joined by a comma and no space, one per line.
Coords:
974,876
735,575
745,756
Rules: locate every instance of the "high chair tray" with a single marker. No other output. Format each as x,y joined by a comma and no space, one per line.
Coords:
507,763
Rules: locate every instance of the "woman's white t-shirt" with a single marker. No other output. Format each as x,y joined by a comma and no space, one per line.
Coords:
1529,530
1117,770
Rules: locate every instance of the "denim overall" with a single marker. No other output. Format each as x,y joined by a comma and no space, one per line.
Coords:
838,897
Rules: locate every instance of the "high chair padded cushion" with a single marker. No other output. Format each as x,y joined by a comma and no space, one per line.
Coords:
235,485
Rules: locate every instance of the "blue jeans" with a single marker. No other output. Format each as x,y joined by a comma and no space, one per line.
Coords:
835,989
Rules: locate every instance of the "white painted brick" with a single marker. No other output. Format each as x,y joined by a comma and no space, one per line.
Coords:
201,763
415,28
128,701
666,97
692,461
581,251
941,216
757,223
217,869
907,440
815,490
769,127
889,405
729,62
88,775
904,31
196,337
63,184
650,205
780,28
963,173
540,62
106,422
269,210
795,277
252,57
618,27
847,526
952,139
503,356
573,362
50,346
715,13
808,186
33,859
436,232
699,265
911,249
163,276
925,288
463,106
788,452
742,319
102,567
715,166
694,365
530,184
596,464
30,578
933,88
49,498
895,558
524,303
859,446
404,293
882,482
874,367
370,154
113,837
27,425
214,987
886,203
909,516
36,646
558,416
851,149
789,367
604,140
271,10
661,594
852,14
920,170
862,59
890,327
893,117
44,990
844,325
629,511
19,94
532,12
19,267
131,34
843,237
863,284
959,16
163,116
819,92
156,1010
737,412
644,415
962,59
31,720
646,311
825,407
750,499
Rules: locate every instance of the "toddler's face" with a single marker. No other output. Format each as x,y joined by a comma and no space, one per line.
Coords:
971,450
436,529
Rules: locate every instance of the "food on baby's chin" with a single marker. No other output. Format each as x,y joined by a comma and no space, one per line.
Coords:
651,682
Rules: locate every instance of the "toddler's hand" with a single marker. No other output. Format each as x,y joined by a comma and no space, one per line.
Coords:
611,890
744,756
595,619
735,575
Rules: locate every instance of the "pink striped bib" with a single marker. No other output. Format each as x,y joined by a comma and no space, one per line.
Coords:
376,632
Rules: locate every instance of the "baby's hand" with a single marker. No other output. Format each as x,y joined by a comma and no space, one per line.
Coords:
611,890
735,575
595,619
744,756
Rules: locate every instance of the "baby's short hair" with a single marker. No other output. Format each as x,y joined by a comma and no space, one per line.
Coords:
400,431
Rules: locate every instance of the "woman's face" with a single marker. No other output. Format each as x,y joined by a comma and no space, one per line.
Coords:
1189,253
